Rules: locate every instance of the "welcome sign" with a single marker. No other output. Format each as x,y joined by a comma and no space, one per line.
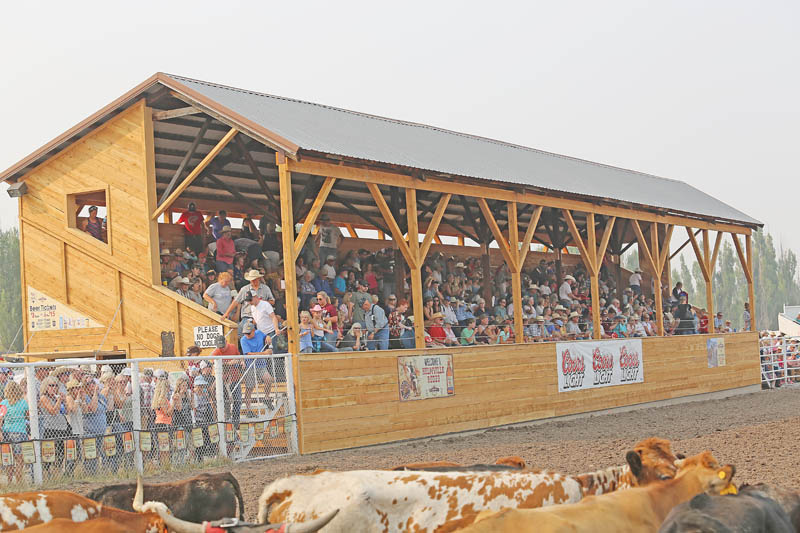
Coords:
588,365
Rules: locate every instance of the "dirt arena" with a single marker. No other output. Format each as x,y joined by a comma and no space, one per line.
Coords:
756,432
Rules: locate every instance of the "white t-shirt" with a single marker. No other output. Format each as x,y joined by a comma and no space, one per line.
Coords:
565,291
329,271
635,279
262,315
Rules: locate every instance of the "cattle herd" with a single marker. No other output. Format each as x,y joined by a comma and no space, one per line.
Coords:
652,491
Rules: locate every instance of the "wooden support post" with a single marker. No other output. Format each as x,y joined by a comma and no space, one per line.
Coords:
516,277
709,281
416,268
381,235
311,218
194,174
461,240
751,295
658,302
289,256
351,230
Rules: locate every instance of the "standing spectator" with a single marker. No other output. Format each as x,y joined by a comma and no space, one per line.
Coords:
218,294
329,314
75,419
328,238
163,407
635,282
13,415
192,221
255,286
684,314
271,246
94,225
358,298
307,290
565,292
320,327
254,341
263,315
746,317
121,402
376,325
397,325
94,420
306,343
182,406
340,283
146,389
226,250
204,415
52,419
4,380
217,223
719,322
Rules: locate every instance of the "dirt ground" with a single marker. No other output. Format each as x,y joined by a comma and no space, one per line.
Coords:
755,432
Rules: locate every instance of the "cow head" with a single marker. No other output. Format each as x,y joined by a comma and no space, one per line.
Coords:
177,525
713,478
651,460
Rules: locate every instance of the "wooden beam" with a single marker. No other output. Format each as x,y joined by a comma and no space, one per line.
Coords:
394,229
321,168
175,113
185,161
712,265
656,256
358,212
415,267
502,243
433,226
352,231
437,239
473,220
287,240
664,254
601,252
248,157
643,243
194,173
529,233
231,189
311,219
687,241
381,235
750,286
742,259
709,280
576,236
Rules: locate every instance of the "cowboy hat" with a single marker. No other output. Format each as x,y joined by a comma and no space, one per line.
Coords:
437,315
569,277
574,314
252,274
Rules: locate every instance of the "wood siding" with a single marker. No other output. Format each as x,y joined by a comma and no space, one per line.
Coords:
90,276
348,400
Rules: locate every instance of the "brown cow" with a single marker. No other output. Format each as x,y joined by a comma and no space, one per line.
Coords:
25,509
639,509
65,525
504,463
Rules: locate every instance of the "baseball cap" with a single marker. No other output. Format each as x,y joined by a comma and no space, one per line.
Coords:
247,328
204,364
161,373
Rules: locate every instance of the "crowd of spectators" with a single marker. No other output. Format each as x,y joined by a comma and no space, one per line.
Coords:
780,359
349,300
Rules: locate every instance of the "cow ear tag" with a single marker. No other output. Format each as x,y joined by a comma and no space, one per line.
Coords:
730,489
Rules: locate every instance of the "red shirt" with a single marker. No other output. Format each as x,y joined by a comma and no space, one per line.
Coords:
437,333
192,221
702,327
226,249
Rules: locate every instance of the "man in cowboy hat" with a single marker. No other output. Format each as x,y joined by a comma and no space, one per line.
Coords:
327,239
192,221
565,292
436,330
573,328
256,286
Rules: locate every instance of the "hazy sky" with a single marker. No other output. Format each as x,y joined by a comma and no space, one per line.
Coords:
707,92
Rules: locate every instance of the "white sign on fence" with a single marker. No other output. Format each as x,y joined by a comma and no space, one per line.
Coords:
425,376
206,336
45,313
588,365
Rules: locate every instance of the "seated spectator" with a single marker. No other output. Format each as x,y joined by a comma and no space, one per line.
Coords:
354,340
183,287
195,293
436,330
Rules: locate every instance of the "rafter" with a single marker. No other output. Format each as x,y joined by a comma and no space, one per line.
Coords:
502,243
311,219
185,161
394,229
433,225
529,233
248,157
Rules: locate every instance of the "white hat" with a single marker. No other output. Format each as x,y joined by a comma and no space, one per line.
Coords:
164,251
125,372
160,373
569,277
183,281
252,274
574,314
200,380
204,364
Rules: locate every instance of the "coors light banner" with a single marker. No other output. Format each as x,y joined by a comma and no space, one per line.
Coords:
586,365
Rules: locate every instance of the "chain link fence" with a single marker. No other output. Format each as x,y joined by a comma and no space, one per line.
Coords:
780,360
89,419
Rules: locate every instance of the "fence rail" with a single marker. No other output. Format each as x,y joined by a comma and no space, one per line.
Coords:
780,361
88,418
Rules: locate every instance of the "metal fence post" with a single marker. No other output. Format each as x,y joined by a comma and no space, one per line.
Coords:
136,413
289,371
33,413
785,361
220,395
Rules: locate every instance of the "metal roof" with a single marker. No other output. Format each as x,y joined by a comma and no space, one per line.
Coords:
331,130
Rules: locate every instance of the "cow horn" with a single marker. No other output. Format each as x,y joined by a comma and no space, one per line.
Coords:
177,525
138,497
313,525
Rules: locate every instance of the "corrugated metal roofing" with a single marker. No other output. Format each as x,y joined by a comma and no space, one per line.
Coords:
346,133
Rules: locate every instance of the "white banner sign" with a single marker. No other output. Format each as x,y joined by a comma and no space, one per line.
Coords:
587,365
206,336
45,313
425,376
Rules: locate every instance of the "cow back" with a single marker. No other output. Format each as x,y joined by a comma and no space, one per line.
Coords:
377,500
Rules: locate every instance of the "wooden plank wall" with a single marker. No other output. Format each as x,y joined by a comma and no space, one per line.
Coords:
90,276
348,400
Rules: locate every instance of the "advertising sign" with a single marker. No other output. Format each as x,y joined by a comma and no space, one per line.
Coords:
45,313
588,365
206,336
425,376
716,352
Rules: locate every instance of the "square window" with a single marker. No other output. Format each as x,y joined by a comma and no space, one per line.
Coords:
87,212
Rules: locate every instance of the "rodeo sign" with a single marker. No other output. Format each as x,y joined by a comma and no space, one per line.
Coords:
587,365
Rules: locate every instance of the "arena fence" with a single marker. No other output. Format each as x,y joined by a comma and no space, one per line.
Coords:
780,360
110,419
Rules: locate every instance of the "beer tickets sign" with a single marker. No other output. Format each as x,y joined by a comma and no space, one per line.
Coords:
588,365
425,376
47,314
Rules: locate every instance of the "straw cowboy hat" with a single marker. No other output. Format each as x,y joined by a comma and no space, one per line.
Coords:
574,314
252,274
437,315
569,277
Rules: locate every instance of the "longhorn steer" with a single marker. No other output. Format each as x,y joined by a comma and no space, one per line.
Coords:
202,498
637,510
504,463
377,500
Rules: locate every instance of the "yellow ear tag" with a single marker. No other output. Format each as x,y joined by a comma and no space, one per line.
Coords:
730,489
721,474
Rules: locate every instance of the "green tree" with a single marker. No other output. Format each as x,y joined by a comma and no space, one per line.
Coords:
10,295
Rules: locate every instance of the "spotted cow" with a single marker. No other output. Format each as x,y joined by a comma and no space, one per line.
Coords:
640,509
376,500
25,509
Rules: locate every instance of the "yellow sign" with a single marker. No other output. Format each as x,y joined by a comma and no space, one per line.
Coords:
180,440
228,432
8,457
244,432
110,445
127,442
70,451
49,451
28,453
145,441
89,448
197,437
213,433
163,442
